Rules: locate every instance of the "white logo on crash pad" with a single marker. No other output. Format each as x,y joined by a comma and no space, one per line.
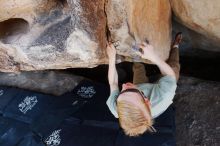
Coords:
1,92
27,104
86,92
54,139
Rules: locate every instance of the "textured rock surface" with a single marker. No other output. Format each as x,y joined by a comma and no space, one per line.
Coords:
48,34
201,16
58,34
197,112
132,21
194,40
50,82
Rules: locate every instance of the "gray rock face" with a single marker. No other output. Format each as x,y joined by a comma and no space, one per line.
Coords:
197,105
50,82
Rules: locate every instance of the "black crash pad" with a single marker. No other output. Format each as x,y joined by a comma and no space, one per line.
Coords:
26,106
11,131
96,109
77,118
73,133
6,95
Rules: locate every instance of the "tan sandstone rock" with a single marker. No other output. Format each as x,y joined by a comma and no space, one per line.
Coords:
133,21
201,16
193,40
60,34
49,34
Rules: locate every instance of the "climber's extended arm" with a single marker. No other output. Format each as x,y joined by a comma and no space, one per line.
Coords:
112,72
149,53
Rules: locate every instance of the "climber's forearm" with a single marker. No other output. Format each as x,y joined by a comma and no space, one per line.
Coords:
112,74
165,69
150,54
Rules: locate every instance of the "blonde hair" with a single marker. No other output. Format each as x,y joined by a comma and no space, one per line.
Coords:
132,119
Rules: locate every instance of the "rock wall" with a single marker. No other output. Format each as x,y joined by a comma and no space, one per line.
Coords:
51,34
203,17
59,34
132,21
194,42
49,82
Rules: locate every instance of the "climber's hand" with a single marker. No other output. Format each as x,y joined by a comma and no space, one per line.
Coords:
148,52
111,51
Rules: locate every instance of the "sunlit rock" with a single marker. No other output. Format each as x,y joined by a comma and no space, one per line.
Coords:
201,16
131,22
51,34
